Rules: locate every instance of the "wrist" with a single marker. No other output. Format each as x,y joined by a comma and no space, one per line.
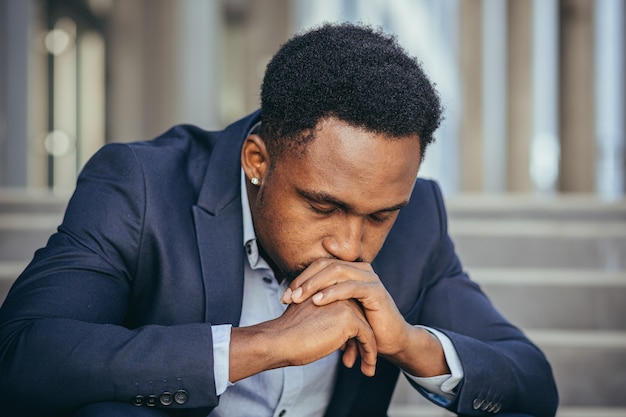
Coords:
422,355
252,350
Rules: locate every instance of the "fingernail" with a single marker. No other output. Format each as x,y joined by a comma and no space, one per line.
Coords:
286,298
318,297
296,294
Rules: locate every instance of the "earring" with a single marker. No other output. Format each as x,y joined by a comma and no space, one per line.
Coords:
255,181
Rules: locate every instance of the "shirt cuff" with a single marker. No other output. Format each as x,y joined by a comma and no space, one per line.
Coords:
442,385
221,355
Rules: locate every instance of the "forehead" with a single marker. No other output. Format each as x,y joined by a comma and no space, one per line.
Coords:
352,163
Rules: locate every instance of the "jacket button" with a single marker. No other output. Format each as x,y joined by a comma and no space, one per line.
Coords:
181,397
485,406
496,408
477,403
151,400
138,400
166,398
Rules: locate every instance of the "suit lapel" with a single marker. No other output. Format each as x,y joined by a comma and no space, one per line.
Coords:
219,229
221,256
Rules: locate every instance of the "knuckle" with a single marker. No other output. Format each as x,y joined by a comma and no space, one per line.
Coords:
306,286
323,261
368,267
335,268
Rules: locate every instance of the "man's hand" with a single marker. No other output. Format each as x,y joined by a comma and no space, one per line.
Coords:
304,333
327,281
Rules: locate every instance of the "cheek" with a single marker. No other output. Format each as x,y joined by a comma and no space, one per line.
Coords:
292,233
300,230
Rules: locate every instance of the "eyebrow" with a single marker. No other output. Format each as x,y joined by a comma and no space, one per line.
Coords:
324,198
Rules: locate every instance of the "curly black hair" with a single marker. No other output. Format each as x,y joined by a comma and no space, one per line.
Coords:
352,72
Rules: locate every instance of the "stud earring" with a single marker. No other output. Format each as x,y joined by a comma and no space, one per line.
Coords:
255,181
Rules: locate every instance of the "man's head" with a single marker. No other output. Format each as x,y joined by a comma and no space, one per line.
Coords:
346,116
350,72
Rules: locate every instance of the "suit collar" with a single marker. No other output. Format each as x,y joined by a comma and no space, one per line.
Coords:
220,185
219,226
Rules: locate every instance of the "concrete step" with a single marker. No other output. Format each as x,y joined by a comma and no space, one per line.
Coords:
574,207
557,298
32,201
480,243
22,234
27,218
429,410
9,271
591,412
589,368
507,243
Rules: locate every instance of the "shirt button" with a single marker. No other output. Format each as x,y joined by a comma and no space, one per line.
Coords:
282,413
267,280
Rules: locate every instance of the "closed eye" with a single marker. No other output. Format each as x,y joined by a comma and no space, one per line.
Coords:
323,210
382,217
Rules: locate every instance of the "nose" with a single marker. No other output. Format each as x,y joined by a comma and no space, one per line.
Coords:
345,241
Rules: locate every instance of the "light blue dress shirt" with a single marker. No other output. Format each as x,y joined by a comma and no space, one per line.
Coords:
298,390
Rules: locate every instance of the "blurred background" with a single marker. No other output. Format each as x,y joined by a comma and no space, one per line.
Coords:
531,155
534,90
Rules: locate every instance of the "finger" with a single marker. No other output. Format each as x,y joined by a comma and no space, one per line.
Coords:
323,263
366,345
311,270
288,296
350,353
372,295
369,355
332,273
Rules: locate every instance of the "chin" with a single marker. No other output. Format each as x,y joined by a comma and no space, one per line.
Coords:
290,275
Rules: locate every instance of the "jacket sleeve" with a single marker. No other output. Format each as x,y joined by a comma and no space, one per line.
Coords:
503,369
63,339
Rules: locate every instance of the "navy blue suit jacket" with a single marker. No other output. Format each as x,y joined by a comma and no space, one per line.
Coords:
121,300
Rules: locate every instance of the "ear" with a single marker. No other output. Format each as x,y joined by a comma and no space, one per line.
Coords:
254,158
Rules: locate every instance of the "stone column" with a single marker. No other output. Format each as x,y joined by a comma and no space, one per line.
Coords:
471,132
519,99
494,87
576,73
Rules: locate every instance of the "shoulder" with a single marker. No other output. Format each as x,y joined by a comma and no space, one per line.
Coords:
426,204
191,145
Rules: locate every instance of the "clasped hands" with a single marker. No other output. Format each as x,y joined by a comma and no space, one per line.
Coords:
335,305
344,305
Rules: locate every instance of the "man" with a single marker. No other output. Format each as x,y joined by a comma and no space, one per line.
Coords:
289,265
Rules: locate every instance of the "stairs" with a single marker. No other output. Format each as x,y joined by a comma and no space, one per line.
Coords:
556,267
27,219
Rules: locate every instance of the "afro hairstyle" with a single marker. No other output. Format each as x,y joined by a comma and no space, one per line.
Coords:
351,72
